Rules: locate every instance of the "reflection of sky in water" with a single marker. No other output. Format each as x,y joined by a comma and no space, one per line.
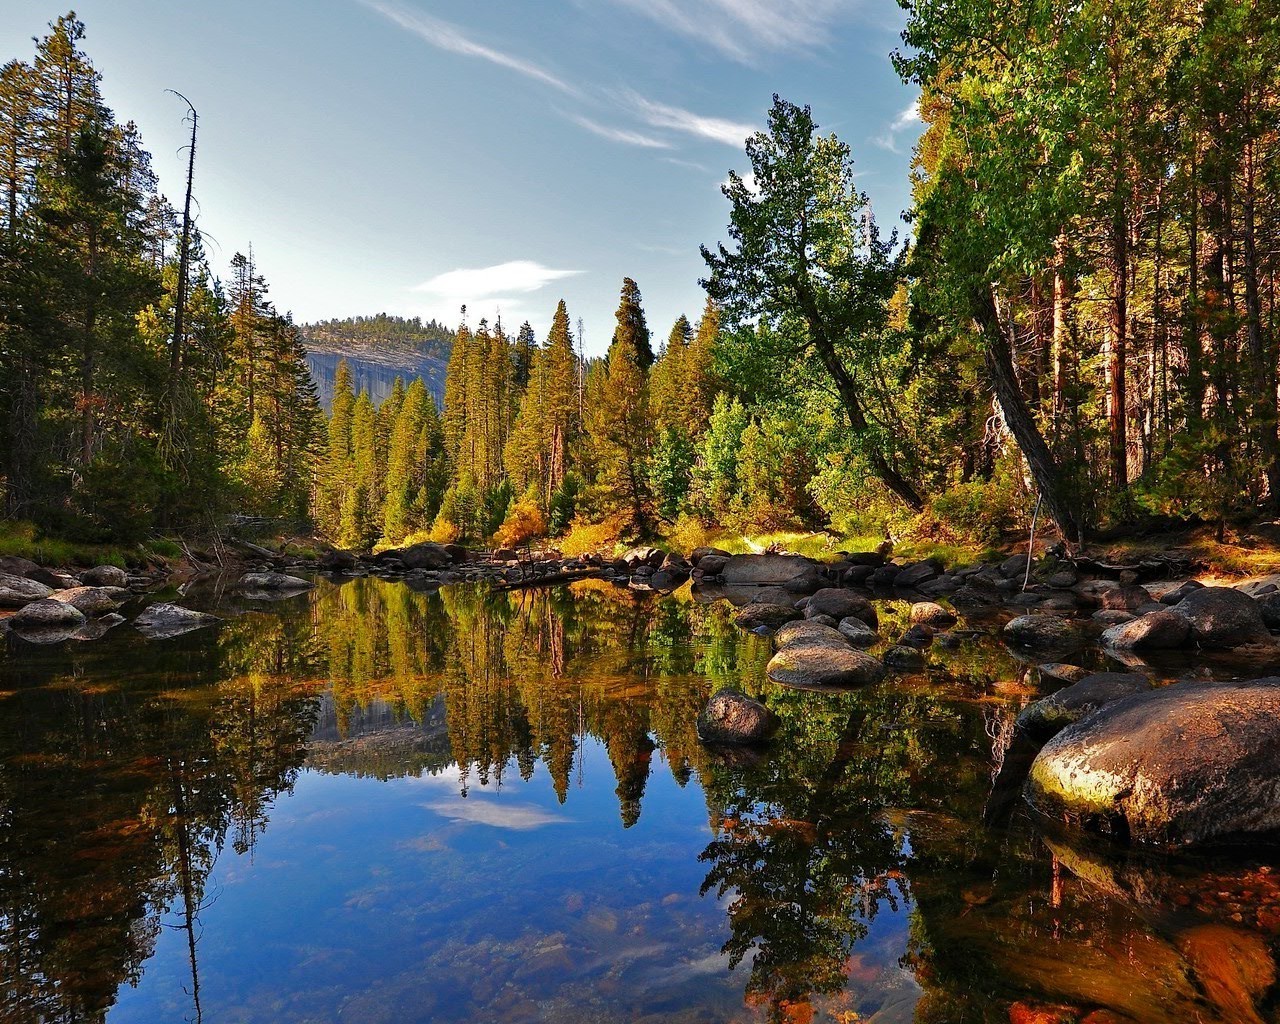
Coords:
403,901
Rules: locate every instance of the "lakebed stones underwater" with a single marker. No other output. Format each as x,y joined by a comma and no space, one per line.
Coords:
1190,763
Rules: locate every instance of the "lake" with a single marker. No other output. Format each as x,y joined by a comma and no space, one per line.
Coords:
372,804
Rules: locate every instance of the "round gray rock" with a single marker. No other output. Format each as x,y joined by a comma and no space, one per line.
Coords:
1042,631
840,604
104,576
858,633
46,614
930,614
16,591
766,617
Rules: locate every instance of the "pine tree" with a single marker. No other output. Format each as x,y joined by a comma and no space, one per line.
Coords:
406,463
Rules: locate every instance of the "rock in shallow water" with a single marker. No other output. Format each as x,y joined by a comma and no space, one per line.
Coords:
163,621
1042,631
273,581
16,591
1156,630
733,717
807,665
1193,763
766,617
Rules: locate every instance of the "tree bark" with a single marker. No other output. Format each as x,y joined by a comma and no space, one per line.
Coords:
998,357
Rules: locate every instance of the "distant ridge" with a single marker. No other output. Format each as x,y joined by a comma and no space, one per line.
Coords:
378,349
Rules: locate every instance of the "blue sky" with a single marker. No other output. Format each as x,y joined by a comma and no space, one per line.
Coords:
409,155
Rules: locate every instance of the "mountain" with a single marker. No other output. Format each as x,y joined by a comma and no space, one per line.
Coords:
378,349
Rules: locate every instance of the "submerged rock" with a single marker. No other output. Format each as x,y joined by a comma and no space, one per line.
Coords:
732,717
809,665
904,659
1192,763
96,629
163,621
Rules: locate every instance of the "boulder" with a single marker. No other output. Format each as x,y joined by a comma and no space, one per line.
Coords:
806,583
426,555
46,615
857,575
1189,764
1175,592
733,717
1223,618
162,621
1111,616
1269,605
885,575
667,580
92,600
904,659
16,591
858,633
1063,579
765,617
104,576
1156,630
841,604
337,560
824,620
919,636
920,572
1050,715
873,559
768,568
712,565
1042,631
273,581
14,565
810,665
929,614
1015,566
800,633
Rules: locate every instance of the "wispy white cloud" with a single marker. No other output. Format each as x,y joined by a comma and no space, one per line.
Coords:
475,810
740,29
516,276
662,115
446,36
622,135
908,119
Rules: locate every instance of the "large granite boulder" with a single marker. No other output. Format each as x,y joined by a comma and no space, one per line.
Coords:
16,591
807,632
1193,763
766,568
1221,617
817,666
1153,631
733,717
15,565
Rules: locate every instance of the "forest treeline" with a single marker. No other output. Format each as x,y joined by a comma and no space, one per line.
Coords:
1083,315
118,416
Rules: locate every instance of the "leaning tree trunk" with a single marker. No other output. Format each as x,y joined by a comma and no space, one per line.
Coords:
998,356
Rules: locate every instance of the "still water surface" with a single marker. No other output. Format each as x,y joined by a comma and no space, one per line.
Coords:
367,804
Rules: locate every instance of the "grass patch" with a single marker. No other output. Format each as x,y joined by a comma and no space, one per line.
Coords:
22,540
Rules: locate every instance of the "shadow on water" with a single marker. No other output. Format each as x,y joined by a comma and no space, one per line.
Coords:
581,856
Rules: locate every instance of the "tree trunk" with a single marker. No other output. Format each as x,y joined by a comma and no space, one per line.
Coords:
998,356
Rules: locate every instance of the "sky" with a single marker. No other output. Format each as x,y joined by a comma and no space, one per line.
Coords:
410,156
